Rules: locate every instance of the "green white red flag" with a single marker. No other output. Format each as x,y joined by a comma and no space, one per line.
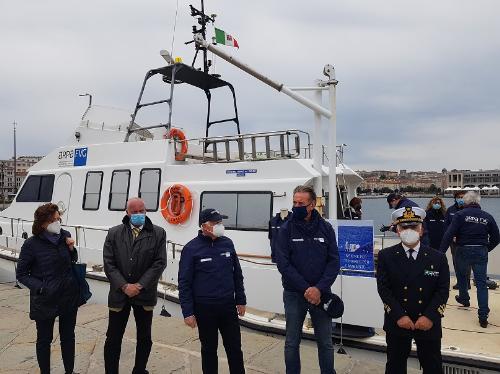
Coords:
221,37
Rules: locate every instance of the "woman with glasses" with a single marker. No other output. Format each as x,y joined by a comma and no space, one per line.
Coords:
45,268
435,221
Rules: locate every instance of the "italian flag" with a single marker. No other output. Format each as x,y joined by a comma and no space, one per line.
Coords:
221,37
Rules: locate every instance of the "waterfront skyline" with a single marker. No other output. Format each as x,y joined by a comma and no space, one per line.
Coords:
417,81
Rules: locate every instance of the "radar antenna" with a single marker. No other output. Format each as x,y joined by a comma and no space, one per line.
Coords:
203,19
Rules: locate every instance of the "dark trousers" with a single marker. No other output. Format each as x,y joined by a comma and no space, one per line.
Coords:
468,268
398,350
114,336
44,336
212,318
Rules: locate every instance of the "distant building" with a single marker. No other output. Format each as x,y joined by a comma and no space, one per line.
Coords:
473,178
8,186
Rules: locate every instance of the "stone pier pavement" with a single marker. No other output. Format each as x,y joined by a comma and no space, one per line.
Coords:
176,348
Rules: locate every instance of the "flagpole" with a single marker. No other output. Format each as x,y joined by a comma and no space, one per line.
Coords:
280,87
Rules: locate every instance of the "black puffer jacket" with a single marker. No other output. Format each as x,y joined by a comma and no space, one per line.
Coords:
45,268
134,261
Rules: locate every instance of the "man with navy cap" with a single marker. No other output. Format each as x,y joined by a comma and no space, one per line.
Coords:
413,282
211,292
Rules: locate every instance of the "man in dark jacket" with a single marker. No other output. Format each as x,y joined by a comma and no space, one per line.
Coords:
450,213
413,282
275,224
308,260
476,234
211,292
135,256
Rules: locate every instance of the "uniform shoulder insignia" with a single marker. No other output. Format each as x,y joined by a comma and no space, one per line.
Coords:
441,309
387,308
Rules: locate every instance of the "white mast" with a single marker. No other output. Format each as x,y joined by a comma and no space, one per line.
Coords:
319,111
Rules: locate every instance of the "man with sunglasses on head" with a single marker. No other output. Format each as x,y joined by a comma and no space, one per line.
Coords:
308,260
413,282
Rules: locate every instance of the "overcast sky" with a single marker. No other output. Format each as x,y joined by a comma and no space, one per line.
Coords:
419,80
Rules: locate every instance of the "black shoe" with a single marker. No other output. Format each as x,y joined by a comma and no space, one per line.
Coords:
464,303
483,323
455,287
492,285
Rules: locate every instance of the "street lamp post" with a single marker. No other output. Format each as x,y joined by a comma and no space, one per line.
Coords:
15,159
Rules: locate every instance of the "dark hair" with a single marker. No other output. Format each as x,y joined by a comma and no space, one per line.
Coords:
307,189
355,201
43,214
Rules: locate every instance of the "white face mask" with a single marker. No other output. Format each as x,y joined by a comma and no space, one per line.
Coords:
218,230
409,236
54,227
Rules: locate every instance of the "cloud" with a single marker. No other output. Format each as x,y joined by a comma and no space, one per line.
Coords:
413,75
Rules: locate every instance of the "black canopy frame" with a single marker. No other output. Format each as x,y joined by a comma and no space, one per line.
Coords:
181,73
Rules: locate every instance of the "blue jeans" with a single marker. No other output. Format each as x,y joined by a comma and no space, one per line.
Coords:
477,258
296,307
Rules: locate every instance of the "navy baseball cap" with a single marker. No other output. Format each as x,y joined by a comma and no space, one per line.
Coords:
212,215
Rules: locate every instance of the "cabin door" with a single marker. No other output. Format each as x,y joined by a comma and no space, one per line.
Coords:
62,195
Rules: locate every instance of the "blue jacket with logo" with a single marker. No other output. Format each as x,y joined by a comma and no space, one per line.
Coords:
209,273
472,226
307,254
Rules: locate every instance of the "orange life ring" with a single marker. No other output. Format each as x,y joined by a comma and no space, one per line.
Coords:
176,204
178,135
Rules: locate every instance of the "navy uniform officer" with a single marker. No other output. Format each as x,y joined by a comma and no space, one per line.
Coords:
476,234
211,292
413,282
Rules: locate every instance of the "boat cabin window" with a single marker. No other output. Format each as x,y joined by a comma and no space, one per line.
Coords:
118,193
246,210
37,188
92,193
149,188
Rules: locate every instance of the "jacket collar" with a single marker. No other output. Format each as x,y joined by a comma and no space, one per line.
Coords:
148,225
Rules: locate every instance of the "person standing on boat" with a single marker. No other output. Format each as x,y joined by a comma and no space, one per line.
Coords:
397,201
45,268
211,292
450,213
308,260
275,224
353,211
413,282
476,234
435,221
134,257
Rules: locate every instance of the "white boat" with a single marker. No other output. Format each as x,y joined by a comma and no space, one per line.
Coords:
109,158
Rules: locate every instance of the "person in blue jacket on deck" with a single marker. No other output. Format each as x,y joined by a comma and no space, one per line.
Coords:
476,234
308,260
211,292
450,213
435,221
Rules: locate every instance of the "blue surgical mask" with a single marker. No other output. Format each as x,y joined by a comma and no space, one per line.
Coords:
436,206
299,212
460,202
138,219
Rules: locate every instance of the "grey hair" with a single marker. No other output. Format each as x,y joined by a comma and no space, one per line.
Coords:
472,197
307,189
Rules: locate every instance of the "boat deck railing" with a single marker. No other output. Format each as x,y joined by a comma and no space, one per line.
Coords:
260,146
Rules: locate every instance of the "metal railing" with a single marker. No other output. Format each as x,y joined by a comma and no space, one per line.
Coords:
232,148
